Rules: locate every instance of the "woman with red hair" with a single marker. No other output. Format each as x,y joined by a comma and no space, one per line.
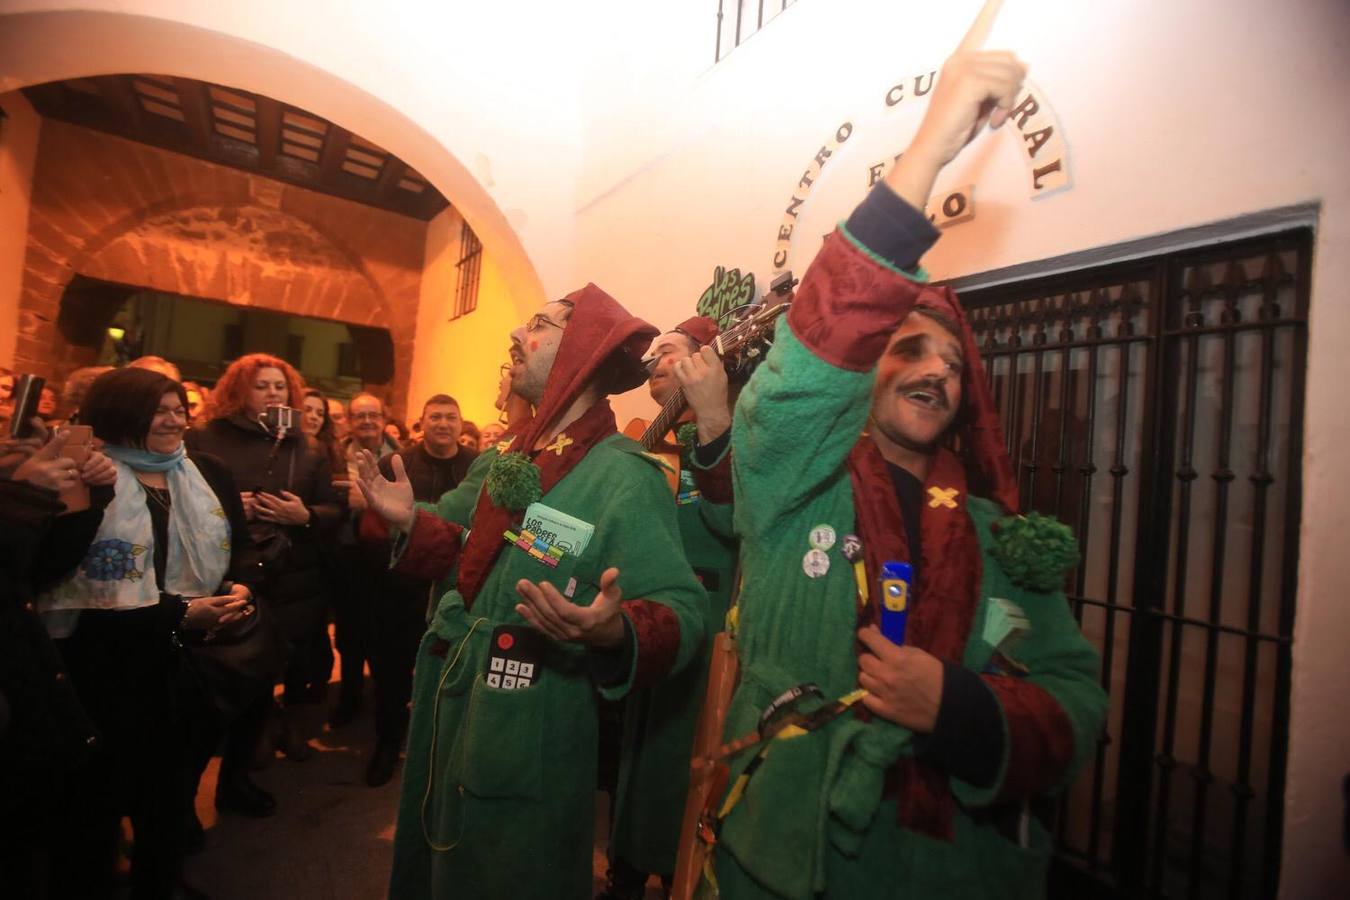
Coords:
286,486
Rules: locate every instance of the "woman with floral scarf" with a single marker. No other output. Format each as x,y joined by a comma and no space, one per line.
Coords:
170,556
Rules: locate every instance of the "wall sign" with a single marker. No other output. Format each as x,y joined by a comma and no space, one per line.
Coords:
1043,149
729,289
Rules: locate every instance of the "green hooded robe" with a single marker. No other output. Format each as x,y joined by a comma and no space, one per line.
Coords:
498,792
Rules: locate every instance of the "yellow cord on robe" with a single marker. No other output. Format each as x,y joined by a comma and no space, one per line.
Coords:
860,576
431,757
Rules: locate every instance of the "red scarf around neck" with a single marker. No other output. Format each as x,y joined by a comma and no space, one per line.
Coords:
945,596
602,346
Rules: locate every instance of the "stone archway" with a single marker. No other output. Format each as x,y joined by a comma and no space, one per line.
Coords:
150,36
121,212
245,255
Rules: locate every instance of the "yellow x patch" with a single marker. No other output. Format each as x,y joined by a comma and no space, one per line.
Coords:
942,497
561,443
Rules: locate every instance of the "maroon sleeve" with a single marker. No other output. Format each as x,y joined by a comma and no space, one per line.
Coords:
1040,737
714,482
432,547
849,304
372,529
657,632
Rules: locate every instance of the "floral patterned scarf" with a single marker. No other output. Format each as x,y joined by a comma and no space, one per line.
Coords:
118,570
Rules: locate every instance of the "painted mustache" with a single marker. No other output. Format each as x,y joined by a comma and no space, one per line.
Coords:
927,390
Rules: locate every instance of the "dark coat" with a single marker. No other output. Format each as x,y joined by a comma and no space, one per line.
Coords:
44,731
430,476
289,553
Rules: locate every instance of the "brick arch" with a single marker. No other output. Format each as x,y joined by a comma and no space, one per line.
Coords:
243,254
121,212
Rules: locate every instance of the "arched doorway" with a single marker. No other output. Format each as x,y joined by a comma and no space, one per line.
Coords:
38,47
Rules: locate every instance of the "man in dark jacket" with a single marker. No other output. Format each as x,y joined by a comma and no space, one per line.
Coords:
398,612
358,569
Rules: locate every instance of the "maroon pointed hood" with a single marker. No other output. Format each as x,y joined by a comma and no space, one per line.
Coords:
602,340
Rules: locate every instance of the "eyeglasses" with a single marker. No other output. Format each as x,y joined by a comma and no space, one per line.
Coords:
367,416
539,320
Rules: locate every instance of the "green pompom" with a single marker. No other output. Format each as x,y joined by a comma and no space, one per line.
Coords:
1035,551
513,481
687,434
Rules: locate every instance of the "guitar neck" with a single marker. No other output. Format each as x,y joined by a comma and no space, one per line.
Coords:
664,421
728,343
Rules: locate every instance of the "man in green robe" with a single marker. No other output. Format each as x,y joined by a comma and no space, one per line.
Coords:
659,721
935,781
552,529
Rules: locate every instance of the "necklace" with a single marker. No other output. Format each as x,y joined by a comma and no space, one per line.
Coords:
160,496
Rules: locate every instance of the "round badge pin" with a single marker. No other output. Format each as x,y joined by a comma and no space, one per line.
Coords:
815,563
852,548
822,537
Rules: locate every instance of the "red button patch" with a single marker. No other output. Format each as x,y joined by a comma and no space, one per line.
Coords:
505,641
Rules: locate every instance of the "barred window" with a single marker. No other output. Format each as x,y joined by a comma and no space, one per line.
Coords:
738,19
469,265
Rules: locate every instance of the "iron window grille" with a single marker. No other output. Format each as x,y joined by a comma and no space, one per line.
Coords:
469,265
737,20
1156,406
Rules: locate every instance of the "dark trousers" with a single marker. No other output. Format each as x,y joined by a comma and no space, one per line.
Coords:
397,618
28,833
358,579
129,681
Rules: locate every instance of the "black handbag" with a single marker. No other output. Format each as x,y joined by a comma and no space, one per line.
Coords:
272,542
238,662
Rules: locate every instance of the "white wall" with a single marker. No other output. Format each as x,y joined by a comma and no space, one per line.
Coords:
18,152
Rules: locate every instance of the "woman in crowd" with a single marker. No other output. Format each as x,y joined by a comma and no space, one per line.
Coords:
468,435
316,422
489,435
170,557
76,386
397,432
286,484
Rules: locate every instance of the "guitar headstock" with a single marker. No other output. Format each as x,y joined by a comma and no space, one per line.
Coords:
746,339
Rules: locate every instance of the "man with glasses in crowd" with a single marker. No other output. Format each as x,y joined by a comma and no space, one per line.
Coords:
363,567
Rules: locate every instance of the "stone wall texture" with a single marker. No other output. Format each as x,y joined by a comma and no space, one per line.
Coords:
119,211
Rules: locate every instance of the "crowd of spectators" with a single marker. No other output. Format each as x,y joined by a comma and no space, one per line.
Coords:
174,554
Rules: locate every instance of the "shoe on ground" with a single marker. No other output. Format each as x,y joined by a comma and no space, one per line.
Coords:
344,713
292,742
241,795
383,763
194,835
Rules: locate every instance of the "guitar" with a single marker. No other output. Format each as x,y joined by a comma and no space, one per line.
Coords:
741,348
